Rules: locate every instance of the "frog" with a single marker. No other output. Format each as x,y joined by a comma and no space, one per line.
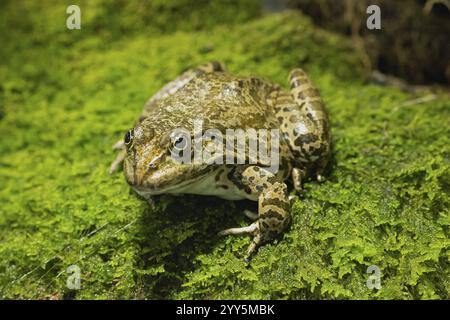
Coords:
223,100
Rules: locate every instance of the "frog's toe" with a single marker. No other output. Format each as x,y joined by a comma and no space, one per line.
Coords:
297,176
292,199
251,229
320,178
251,215
117,162
256,242
243,230
119,145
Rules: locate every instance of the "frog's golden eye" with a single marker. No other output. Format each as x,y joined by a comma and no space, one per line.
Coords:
128,139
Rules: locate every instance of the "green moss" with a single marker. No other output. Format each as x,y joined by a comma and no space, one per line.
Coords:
67,96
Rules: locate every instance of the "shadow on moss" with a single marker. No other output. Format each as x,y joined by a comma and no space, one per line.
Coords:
180,229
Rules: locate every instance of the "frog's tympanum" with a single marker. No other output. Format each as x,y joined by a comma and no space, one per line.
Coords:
224,101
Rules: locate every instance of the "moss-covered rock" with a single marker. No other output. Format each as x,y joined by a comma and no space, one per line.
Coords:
67,96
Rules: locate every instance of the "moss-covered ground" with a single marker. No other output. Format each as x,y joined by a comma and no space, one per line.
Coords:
67,96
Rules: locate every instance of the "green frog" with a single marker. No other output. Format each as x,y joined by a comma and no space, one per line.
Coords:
224,101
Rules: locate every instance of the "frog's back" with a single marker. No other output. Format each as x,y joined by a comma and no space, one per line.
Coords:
221,100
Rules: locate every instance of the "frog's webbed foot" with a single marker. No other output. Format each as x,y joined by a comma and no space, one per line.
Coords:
273,206
252,229
119,145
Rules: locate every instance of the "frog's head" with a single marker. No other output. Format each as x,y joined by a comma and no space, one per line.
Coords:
150,165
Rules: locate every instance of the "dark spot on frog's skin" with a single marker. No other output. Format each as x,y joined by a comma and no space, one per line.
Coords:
223,186
301,96
305,139
272,179
241,84
272,201
309,115
236,179
248,190
280,119
287,109
255,81
265,225
272,214
230,174
294,119
319,151
256,169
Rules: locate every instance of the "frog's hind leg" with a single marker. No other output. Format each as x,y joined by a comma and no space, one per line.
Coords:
304,125
313,144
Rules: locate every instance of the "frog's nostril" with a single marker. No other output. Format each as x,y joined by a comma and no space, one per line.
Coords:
154,163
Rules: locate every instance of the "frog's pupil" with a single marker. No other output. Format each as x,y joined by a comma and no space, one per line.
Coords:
180,143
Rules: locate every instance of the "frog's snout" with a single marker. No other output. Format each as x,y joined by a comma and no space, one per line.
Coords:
145,173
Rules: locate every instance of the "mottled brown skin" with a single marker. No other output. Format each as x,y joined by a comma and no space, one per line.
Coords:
224,101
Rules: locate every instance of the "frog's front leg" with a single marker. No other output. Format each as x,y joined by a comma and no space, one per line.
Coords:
273,205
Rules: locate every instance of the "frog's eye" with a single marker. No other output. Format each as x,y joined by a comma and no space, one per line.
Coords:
179,143
128,139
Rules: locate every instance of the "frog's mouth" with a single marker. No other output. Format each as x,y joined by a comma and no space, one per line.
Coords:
159,182
149,191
